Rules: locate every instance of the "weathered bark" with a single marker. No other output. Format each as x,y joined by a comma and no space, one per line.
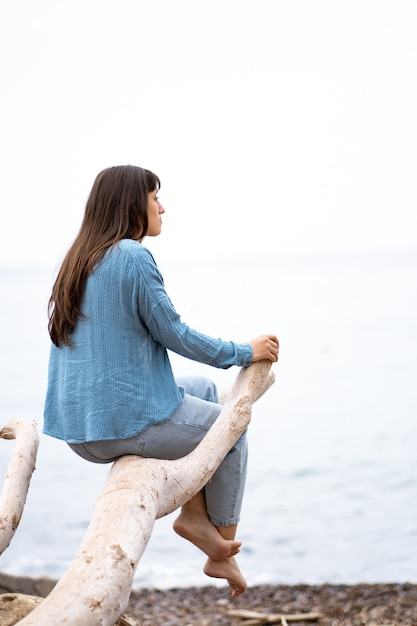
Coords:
95,590
18,475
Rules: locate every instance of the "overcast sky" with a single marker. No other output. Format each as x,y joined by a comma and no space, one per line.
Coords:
273,124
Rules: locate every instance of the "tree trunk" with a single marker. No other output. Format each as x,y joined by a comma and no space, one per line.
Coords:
18,475
95,590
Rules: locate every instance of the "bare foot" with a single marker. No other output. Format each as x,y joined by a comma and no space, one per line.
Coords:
201,532
228,569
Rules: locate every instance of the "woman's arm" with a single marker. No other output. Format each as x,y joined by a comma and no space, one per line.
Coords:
166,327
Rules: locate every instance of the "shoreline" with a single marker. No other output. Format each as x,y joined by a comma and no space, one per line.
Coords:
370,604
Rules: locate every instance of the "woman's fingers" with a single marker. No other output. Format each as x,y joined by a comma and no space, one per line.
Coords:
265,347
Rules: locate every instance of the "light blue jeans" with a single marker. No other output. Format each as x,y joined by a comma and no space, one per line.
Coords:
178,435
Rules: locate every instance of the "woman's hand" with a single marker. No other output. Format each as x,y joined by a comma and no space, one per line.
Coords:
265,347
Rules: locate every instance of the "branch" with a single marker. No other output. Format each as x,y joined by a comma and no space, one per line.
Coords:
253,618
18,475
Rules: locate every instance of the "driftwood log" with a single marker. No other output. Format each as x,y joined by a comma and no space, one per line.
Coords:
95,589
18,475
15,606
255,618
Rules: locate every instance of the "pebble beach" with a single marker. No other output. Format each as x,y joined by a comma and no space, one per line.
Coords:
389,604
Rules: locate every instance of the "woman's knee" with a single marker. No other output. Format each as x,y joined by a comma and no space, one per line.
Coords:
199,387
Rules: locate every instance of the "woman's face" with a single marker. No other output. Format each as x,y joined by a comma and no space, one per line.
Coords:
155,210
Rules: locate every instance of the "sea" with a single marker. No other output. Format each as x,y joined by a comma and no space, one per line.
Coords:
331,493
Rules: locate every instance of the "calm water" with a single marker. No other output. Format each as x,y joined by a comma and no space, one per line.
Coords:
332,487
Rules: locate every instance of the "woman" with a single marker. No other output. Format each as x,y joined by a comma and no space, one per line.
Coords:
111,390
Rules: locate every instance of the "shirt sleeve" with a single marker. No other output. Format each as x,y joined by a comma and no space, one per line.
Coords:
166,327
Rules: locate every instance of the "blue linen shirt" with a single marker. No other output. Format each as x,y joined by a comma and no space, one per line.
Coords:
115,379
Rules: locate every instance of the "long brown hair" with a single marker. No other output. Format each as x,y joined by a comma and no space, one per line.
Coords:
116,209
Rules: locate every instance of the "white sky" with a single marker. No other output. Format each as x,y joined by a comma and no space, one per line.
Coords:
273,124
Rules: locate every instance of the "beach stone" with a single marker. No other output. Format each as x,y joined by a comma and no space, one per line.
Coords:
25,584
